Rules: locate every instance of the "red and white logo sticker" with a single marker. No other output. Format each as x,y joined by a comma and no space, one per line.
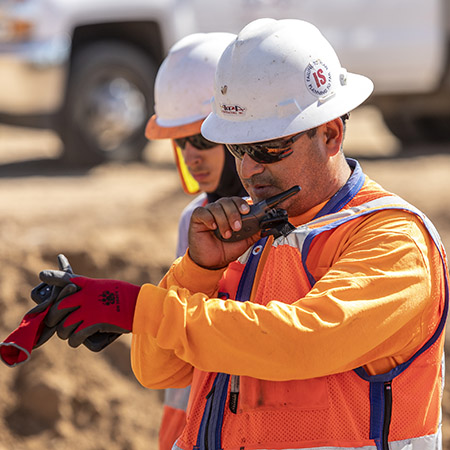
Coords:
318,78
233,109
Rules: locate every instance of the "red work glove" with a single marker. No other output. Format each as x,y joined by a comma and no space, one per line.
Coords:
105,306
17,347
44,294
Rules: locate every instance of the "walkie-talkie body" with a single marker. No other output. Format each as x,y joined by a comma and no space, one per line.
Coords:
262,215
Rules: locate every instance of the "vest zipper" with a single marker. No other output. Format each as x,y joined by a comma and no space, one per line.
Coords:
387,413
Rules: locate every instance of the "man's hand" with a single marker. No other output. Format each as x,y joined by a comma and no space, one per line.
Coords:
89,306
205,248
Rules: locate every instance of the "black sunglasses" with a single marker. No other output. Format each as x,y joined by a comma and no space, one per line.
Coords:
266,152
197,141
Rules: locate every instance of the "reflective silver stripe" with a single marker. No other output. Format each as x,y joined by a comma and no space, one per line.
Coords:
298,236
245,256
443,374
430,442
382,202
177,398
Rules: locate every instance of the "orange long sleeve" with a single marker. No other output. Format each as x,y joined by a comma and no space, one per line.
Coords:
372,306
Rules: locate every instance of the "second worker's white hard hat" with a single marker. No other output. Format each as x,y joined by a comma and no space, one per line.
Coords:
184,85
278,78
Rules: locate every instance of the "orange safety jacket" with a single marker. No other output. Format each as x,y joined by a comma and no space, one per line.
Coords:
351,409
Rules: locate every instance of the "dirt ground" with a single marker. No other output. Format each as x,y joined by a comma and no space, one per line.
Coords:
119,221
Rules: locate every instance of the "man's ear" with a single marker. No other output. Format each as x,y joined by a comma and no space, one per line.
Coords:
333,133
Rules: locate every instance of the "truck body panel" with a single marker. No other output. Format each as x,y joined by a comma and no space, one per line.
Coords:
403,46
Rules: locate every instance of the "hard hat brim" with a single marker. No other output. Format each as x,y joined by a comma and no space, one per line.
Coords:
232,130
155,131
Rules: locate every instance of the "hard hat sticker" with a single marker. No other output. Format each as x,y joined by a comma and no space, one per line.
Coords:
318,78
233,109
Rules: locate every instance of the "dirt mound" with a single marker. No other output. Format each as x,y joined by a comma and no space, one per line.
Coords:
113,221
65,398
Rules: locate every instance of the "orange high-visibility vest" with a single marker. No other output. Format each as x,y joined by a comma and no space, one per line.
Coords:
345,410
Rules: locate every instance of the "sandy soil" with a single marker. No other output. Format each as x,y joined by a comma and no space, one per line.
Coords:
119,221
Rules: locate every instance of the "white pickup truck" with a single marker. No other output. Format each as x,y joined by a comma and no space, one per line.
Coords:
86,68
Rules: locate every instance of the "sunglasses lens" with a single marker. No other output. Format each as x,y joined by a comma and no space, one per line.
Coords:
259,153
181,142
267,152
197,141
236,150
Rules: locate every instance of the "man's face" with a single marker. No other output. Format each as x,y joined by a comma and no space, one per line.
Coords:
205,166
308,167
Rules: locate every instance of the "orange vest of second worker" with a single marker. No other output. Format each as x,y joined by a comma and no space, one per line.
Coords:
361,289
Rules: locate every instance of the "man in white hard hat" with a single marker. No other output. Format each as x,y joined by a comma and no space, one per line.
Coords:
331,332
183,91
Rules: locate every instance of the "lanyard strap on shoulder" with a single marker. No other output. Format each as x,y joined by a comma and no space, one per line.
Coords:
244,289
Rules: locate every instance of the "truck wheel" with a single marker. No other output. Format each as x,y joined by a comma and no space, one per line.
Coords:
108,102
406,128
418,130
436,129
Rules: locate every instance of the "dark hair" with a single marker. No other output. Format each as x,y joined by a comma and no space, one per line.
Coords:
312,132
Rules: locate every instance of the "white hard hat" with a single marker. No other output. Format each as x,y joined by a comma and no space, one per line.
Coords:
279,77
184,85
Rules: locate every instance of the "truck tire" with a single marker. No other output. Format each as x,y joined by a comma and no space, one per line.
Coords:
406,128
421,129
109,99
436,129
